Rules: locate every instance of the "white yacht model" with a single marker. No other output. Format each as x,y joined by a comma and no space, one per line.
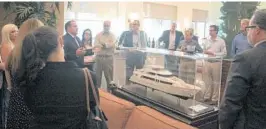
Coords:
160,79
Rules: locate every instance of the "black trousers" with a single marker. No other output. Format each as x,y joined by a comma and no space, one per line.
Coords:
135,59
4,94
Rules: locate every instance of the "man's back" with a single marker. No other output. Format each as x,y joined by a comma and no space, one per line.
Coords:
246,91
256,98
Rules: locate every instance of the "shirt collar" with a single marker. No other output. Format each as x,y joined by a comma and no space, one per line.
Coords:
72,35
242,33
260,42
171,32
136,33
216,39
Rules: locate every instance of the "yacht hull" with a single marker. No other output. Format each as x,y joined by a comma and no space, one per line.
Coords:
157,85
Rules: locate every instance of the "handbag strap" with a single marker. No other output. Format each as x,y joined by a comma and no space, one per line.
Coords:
93,88
87,90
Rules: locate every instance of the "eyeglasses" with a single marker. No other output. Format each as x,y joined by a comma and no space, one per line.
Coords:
250,27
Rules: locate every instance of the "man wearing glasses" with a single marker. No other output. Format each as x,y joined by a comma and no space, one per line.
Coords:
215,46
244,103
240,42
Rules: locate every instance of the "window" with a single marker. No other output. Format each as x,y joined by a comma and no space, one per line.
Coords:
94,23
155,27
200,30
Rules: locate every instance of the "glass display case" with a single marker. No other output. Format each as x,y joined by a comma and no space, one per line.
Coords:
183,83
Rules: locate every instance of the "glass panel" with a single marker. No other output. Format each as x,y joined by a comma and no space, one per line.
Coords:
201,30
184,82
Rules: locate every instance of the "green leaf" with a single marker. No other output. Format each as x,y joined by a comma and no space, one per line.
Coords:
26,10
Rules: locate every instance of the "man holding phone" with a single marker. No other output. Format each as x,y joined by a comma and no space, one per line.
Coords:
73,45
104,49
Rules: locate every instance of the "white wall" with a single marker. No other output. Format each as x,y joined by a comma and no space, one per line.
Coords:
184,11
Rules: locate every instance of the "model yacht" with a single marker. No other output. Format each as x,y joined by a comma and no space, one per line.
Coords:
157,78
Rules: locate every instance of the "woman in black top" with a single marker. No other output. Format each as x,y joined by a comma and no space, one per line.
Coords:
87,42
54,90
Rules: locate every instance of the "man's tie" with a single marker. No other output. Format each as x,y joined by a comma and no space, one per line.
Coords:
76,41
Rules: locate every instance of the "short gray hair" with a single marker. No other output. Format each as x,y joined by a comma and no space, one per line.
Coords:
259,18
245,20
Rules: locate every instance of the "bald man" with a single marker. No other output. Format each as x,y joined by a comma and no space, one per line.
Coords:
104,49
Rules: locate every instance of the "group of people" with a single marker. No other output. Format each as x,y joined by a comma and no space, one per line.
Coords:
175,40
44,80
101,50
47,69
243,104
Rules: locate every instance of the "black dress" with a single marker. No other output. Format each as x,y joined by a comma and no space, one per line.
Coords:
89,52
57,97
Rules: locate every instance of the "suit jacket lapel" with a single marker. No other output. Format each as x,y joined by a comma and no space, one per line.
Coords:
79,41
74,41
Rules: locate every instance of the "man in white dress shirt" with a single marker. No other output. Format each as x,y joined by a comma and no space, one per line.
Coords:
215,46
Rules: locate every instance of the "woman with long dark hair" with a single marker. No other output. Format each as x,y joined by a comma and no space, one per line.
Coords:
87,42
87,38
54,91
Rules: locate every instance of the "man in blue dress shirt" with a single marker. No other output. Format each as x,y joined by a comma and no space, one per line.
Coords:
240,42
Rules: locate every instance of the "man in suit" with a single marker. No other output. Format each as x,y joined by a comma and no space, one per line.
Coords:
123,35
136,37
244,102
171,38
72,44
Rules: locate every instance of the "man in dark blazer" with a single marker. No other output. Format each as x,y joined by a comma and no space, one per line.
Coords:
135,37
72,44
171,37
244,102
124,34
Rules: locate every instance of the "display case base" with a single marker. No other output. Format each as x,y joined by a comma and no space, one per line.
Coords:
208,120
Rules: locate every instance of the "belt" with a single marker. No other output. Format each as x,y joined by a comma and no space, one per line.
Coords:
104,56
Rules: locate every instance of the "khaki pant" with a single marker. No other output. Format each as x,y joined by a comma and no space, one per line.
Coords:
104,64
212,78
187,70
